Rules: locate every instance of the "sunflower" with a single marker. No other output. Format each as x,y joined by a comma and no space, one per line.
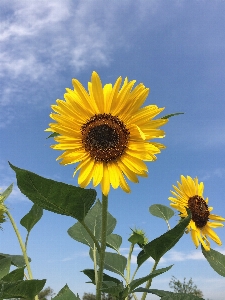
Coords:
189,193
106,132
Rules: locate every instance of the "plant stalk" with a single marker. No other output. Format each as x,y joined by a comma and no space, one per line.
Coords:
149,282
103,246
22,246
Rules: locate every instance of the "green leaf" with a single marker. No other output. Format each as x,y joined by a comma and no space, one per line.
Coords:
66,294
5,264
16,260
113,262
52,135
93,220
135,283
114,241
15,275
6,193
24,289
106,278
171,115
30,219
161,211
55,196
216,260
114,290
159,246
166,295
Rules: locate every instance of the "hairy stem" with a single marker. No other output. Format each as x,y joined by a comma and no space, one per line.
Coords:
149,282
103,246
22,246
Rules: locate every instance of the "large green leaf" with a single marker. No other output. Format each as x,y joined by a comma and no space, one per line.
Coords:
161,211
5,264
15,275
113,262
114,241
106,278
6,193
165,295
55,196
159,246
135,283
216,260
16,260
21,289
93,221
30,219
66,294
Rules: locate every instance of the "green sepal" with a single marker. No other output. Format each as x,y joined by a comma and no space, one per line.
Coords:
66,294
171,115
6,193
159,246
52,135
136,238
21,289
216,260
58,197
32,217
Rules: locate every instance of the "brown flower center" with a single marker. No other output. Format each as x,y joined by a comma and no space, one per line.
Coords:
199,210
105,137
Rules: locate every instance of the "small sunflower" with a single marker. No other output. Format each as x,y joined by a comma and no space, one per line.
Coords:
189,193
107,132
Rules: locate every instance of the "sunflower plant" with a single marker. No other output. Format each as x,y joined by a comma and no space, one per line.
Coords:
107,133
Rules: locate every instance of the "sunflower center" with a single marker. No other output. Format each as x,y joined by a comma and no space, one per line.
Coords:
199,210
105,137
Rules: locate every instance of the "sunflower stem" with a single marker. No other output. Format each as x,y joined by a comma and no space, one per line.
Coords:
149,282
103,246
128,263
22,246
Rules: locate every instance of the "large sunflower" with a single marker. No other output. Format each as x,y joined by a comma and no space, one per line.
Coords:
107,132
189,193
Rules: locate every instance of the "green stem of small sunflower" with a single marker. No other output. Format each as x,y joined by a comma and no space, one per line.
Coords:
128,263
22,246
103,246
91,235
149,282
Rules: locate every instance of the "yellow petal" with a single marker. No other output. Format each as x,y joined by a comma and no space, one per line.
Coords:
105,183
86,173
113,174
97,173
97,91
194,237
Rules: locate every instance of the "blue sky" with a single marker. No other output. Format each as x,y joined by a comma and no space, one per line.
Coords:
174,47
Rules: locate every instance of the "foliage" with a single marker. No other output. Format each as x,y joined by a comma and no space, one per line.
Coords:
186,287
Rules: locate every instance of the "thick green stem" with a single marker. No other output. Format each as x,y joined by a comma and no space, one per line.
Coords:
103,246
149,282
22,246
